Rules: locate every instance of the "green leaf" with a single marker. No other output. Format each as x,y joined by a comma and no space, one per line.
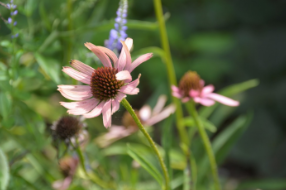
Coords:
229,91
5,105
142,25
145,164
189,121
4,171
224,141
265,184
50,66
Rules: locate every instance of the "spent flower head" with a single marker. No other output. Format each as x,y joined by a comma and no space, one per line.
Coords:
107,85
68,129
146,115
191,86
119,33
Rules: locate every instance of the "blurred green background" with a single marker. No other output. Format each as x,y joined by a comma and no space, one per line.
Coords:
226,42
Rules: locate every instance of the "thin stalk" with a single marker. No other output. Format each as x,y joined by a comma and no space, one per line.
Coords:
170,71
193,172
128,107
193,112
91,176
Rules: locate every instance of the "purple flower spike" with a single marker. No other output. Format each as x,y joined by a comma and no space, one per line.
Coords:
9,20
15,23
118,34
14,12
15,36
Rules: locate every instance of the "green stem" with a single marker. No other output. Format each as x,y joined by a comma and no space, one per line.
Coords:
170,71
193,112
128,107
193,172
90,175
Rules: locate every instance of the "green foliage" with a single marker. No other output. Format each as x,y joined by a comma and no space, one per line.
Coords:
51,33
4,171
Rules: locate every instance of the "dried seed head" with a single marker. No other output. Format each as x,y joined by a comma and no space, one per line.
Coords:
104,84
128,121
190,81
67,127
68,166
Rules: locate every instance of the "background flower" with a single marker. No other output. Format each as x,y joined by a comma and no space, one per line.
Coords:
147,116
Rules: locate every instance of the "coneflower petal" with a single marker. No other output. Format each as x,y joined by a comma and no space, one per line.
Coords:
77,75
80,66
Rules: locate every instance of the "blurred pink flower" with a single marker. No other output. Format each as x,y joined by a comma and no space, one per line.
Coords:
68,166
107,85
147,116
191,86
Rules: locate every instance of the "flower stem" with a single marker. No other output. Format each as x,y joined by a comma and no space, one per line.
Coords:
170,70
193,112
90,175
128,107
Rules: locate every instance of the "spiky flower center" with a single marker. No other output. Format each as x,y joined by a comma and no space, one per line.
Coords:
190,81
104,85
128,121
67,127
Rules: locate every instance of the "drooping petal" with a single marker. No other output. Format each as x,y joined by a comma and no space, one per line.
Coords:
129,43
223,99
110,54
140,60
76,95
159,117
77,75
185,99
74,105
95,112
194,93
121,60
160,104
145,112
115,106
115,133
175,89
84,108
176,92
129,89
204,101
120,96
106,114
78,65
84,92
202,83
207,89
99,53
124,75
74,88
128,56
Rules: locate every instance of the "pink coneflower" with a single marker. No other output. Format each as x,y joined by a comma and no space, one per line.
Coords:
191,86
107,85
147,116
